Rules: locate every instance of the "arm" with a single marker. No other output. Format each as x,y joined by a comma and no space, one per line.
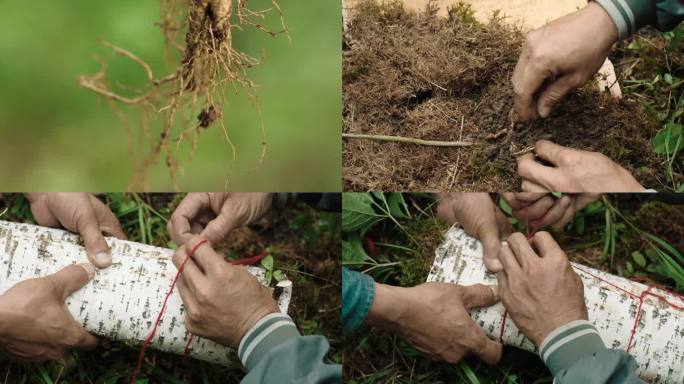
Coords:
268,342
358,294
273,351
631,15
545,299
575,353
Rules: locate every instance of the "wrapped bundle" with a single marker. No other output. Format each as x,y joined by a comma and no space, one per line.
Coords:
645,321
122,301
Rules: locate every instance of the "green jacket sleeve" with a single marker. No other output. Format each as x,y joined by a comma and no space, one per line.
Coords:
575,353
273,351
358,293
631,15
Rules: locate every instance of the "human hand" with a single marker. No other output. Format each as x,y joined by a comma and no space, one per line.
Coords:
433,318
540,290
35,323
480,218
559,57
539,210
222,302
214,215
82,213
573,171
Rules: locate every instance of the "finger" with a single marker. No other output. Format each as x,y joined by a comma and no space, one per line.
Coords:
531,170
536,210
567,216
86,341
204,255
528,185
502,281
188,297
527,79
550,152
72,278
486,349
510,263
546,245
522,250
218,228
554,214
479,295
512,200
191,274
553,94
108,223
179,226
491,243
89,228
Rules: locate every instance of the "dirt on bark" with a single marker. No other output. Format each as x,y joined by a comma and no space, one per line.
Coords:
448,78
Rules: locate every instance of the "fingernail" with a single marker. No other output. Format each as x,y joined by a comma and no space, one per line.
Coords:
103,258
89,268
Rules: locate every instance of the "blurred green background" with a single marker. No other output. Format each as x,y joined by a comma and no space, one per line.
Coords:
57,136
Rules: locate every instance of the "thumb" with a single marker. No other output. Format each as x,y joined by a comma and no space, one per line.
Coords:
491,244
479,295
486,349
72,278
553,94
96,246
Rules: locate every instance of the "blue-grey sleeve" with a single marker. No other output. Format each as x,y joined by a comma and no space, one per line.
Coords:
273,351
575,353
631,15
358,293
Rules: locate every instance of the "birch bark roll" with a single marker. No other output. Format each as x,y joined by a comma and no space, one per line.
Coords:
122,301
658,344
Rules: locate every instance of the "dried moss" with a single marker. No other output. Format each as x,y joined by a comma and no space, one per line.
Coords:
419,75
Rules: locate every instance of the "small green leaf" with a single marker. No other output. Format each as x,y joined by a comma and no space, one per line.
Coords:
639,258
278,275
630,267
669,140
267,263
668,79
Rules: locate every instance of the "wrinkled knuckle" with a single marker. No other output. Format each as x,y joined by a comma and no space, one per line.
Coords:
194,315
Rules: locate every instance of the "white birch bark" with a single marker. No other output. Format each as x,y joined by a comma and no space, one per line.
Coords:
658,345
122,301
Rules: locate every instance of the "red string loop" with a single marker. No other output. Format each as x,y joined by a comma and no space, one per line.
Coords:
153,332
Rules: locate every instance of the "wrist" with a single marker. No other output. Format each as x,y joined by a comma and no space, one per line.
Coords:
609,18
388,307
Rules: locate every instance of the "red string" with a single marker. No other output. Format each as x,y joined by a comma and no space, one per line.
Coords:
153,332
641,297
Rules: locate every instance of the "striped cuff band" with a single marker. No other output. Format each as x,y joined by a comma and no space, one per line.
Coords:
628,15
270,331
569,343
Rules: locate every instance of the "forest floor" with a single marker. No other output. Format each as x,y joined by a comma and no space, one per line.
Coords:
306,247
420,75
404,251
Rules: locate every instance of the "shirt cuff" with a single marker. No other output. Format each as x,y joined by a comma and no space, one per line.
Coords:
628,15
569,343
266,334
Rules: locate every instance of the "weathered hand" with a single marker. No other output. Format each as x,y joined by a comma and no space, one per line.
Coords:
480,217
35,324
82,213
559,57
214,215
222,301
573,171
540,291
433,317
542,209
